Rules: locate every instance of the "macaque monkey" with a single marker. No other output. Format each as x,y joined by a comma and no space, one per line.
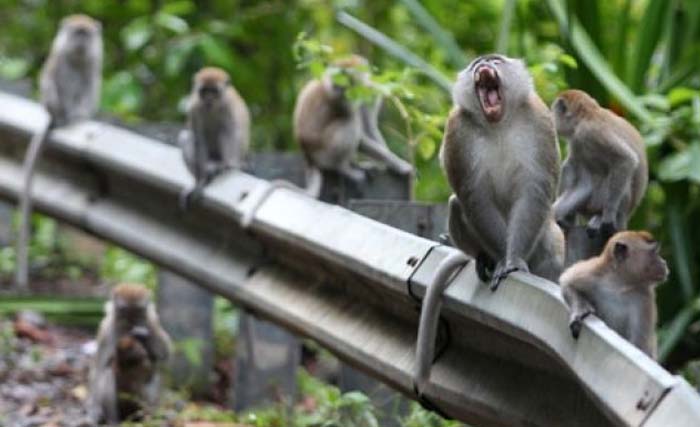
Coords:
330,128
131,348
69,84
605,174
218,130
501,158
618,286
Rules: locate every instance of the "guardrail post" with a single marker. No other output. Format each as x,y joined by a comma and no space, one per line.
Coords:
423,219
186,313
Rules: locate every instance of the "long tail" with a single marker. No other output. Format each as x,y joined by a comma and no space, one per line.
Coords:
429,315
247,217
25,205
314,181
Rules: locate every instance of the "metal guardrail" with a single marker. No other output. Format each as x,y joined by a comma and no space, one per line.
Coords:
348,282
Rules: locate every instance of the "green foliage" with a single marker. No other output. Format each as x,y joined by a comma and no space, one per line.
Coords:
119,265
419,417
226,320
334,409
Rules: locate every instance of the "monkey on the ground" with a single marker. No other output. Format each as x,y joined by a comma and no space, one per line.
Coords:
501,158
618,287
218,130
131,348
605,173
69,86
330,128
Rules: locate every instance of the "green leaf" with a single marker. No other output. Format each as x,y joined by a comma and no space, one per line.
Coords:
13,68
216,53
176,57
681,165
136,34
179,8
172,22
681,95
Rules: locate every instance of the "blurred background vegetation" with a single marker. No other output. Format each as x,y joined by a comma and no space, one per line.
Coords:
637,57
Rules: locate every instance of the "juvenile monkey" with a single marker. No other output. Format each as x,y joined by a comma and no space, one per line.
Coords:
131,347
618,286
218,130
69,84
605,174
330,128
501,158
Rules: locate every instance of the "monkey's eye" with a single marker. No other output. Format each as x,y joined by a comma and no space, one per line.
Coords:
561,106
620,251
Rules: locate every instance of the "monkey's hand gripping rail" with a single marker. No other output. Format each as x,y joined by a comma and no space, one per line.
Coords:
348,282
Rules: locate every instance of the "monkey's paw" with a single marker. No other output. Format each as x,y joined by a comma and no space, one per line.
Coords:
576,323
598,228
505,269
593,227
484,267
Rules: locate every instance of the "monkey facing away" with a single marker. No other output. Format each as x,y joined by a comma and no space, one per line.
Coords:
131,348
605,174
330,128
218,130
69,86
618,287
501,158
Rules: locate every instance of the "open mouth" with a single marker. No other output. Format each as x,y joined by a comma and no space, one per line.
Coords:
488,88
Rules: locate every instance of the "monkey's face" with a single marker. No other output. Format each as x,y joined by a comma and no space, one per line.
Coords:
210,94
639,256
491,85
209,87
130,314
82,37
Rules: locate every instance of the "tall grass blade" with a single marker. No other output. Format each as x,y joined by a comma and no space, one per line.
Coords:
443,37
675,331
506,21
594,60
394,49
620,52
651,31
679,245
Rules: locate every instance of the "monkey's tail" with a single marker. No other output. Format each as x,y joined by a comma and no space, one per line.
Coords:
429,316
314,181
25,204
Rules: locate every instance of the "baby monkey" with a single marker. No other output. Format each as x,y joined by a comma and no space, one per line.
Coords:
131,348
618,286
605,174
218,131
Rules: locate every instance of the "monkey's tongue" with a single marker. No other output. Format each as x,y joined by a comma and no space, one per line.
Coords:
492,98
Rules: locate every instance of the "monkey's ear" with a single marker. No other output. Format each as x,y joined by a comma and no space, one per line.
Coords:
620,251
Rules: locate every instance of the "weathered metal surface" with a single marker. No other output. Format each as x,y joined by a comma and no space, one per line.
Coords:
342,279
267,358
427,220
